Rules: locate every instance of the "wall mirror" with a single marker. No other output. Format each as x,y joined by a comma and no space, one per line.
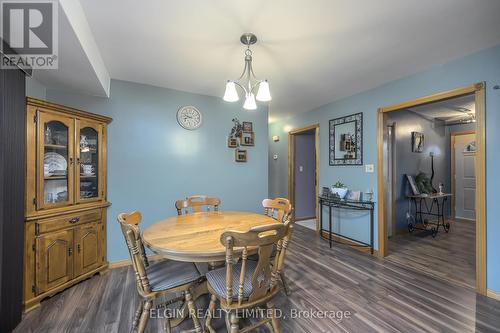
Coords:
346,140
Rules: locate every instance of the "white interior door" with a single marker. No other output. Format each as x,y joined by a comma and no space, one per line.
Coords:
465,177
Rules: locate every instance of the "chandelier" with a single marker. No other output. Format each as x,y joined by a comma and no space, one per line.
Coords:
247,81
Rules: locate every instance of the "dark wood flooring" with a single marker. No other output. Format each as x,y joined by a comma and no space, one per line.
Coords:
381,295
451,256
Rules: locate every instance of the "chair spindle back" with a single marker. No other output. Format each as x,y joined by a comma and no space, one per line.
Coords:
129,223
278,208
264,280
195,203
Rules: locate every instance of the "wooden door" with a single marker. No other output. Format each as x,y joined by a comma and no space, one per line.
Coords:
87,248
55,141
89,168
54,259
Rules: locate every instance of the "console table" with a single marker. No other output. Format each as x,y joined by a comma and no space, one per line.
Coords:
335,202
422,208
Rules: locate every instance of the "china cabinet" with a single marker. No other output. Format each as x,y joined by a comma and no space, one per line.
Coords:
65,208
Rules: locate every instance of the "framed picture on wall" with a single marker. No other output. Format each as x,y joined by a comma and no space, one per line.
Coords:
247,126
417,142
232,142
346,140
413,185
247,138
240,155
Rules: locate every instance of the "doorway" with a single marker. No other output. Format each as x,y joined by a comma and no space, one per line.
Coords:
412,241
478,93
463,158
303,175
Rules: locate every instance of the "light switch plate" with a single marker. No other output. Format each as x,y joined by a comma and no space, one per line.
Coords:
301,168
369,168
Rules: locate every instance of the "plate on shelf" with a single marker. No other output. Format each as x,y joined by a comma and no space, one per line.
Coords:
54,161
58,173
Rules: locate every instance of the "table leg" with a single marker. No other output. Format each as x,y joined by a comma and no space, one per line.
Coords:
420,211
200,289
447,224
320,216
371,231
330,225
439,214
442,213
417,216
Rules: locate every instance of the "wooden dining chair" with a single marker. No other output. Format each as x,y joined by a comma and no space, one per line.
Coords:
158,280
196,203
248,284
279,209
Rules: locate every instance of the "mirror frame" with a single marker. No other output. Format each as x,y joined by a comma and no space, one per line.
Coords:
357,119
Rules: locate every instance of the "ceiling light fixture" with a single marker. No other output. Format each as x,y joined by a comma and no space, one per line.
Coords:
247,81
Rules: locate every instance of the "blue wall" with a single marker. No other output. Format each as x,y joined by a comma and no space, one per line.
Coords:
152,161
481,66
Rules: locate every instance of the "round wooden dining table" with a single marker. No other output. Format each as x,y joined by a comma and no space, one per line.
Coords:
196,237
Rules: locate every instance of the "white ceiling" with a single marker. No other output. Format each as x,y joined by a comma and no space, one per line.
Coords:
449,110
80,67
312,52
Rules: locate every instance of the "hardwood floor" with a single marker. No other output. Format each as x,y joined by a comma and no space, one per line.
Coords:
381,296
450,255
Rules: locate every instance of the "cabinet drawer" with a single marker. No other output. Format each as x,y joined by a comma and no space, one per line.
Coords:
66,221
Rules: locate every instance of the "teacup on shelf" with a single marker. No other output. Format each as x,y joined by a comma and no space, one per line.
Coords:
87,169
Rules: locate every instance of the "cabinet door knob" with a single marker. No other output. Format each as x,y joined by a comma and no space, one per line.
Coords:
74,220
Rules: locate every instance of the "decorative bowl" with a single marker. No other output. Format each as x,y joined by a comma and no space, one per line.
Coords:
340,191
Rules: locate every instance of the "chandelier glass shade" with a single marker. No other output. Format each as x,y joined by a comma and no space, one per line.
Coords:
250,103
231,95
247,81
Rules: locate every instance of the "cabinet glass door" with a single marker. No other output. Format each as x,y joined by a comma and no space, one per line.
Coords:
55,158
88,161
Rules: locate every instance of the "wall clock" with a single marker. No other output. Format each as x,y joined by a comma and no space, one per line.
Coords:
189,117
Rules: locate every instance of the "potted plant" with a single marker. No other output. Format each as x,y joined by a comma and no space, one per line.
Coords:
339,189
